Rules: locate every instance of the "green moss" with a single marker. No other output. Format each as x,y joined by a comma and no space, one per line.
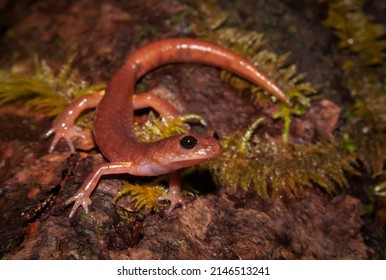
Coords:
269,166
367,122
145,197
380,188
206,16
356,30
155,129
45,90
348,144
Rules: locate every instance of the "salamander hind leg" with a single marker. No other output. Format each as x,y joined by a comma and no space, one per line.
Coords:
79,199
64,126
69,132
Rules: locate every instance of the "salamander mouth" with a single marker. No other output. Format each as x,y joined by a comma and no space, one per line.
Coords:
186,162
183,163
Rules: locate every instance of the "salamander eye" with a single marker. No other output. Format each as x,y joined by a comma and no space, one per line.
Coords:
188,142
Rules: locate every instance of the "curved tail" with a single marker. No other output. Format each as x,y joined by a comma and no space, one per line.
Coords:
195,51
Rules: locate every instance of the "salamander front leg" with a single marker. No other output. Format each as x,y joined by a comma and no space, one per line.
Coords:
82,196
174,193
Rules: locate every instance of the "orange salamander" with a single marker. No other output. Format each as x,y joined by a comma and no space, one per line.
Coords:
114,117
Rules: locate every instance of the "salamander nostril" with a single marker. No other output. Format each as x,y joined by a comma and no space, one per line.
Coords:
188,142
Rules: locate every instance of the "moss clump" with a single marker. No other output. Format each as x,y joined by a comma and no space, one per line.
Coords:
356,30
45,90
155,128
268,166
145,197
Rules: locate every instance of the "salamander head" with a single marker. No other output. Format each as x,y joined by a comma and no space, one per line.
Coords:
183,150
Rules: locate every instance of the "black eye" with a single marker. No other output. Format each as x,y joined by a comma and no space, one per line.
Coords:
215,136
188,142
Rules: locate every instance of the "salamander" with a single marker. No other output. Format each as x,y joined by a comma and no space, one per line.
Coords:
114,117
